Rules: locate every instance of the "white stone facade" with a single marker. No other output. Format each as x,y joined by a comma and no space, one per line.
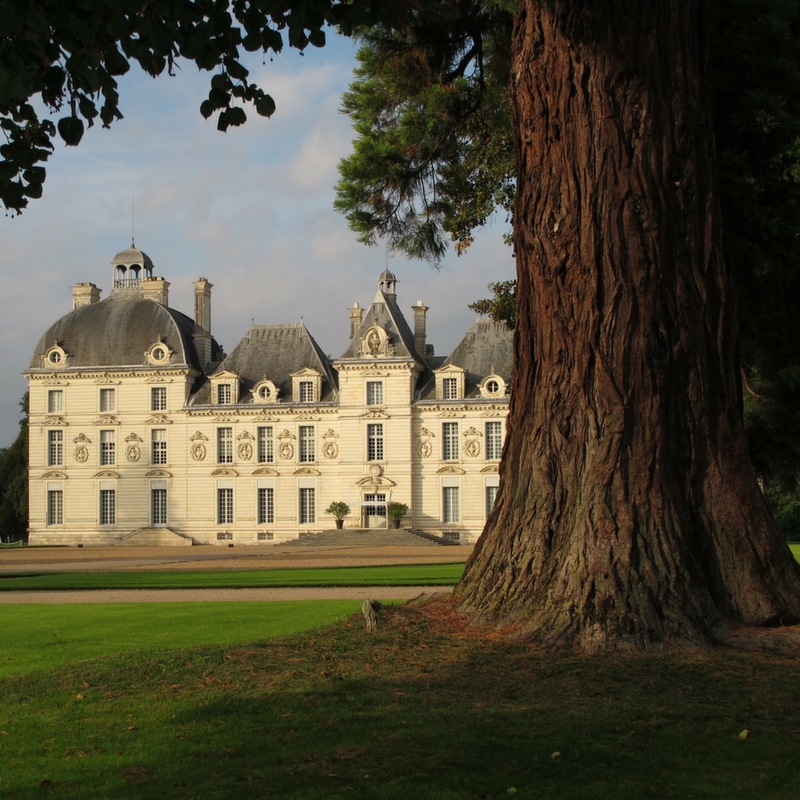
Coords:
142,430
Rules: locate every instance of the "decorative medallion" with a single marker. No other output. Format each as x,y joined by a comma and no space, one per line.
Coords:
330,450
245,451
286,450
425,449
82,454
472,448
198,451
133,453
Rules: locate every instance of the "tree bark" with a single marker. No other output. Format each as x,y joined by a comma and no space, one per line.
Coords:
628,513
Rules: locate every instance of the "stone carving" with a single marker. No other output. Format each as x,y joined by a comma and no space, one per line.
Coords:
330,450
472,448
425,449
133,453
245,451
198,451
81,454
286,451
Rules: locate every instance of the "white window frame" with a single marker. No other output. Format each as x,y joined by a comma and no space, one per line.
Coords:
265,444
450,443
108,448
374,392
305,390
158,398
107,401
55,507
306,444
450,389
375,441
307,505
55,448
224,394
494,440
55,401
451,504
158,505
265,505
490,498
225,514
224,445
108,506
158,446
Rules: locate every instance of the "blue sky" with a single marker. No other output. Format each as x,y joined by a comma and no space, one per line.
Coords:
251,210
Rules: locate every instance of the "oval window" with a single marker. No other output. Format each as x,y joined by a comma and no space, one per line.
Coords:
492,387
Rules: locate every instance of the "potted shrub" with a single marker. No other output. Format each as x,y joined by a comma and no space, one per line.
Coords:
338,510
396,512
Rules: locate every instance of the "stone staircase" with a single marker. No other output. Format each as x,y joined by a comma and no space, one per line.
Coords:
369,537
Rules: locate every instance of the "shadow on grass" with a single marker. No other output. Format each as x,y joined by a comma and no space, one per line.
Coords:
406,712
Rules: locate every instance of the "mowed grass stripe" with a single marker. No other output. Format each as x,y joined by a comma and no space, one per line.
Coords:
50,636
395,575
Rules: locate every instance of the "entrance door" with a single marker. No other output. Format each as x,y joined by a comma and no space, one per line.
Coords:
375,511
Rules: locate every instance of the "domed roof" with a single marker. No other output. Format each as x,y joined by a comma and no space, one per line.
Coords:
132,256
117,332
387,276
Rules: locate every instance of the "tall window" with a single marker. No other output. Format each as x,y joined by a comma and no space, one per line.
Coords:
450,388
306,391
450,510
224,394
374,393
55,448
307,506
449,441
108,400
55,401
108,506
266,506
108,448
158,440
225,506
55,507
491,496
265,445
494,440
158,398
158,506
224,445
306,443
375,442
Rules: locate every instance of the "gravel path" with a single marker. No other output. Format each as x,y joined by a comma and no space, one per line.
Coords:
114,559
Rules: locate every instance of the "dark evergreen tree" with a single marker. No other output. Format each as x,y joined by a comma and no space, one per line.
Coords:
14,484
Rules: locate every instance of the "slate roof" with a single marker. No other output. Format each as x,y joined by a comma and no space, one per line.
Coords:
117,331
487,348
385,312
276,351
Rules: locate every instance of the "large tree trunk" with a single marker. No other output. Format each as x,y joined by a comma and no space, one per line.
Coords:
628,512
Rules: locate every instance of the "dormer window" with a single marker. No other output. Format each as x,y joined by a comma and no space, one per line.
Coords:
55,356
493,386
306,386
225,388
451,382
265,391
224,394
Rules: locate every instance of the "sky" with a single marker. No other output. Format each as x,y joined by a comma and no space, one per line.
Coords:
251,210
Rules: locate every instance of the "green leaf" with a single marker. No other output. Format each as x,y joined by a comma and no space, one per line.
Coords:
71,130
265,106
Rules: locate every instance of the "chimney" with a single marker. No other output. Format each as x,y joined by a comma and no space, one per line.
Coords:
356,315
202,320
84,294
420,334
155,289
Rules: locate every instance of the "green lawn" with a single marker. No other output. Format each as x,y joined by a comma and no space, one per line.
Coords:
399,575
795,548
49,637
413,710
